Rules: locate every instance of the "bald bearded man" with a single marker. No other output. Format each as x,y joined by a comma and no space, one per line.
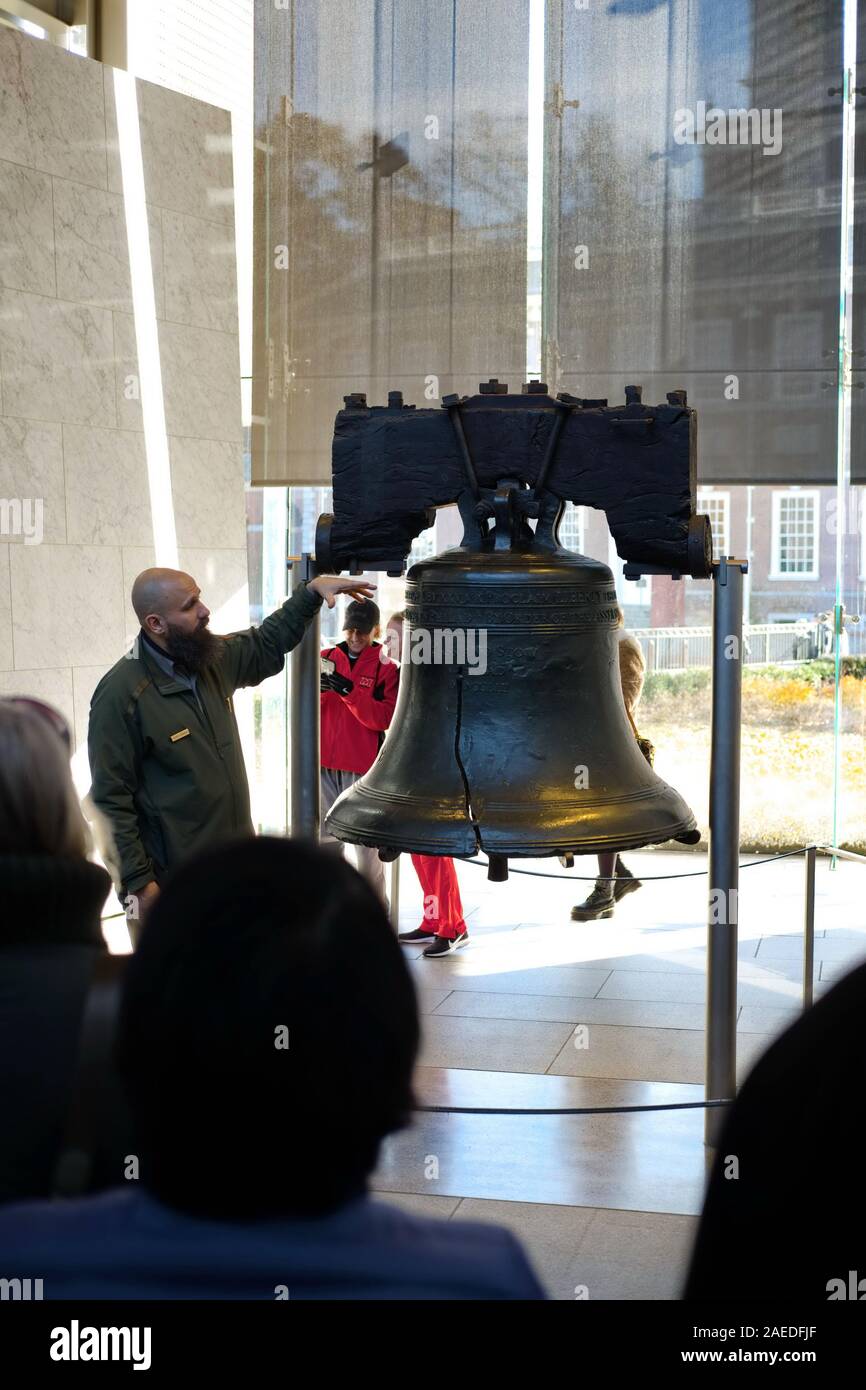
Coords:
165,754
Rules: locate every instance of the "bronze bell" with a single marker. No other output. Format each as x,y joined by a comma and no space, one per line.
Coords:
510,734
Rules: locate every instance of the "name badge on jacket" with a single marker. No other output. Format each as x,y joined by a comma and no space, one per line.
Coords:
181,733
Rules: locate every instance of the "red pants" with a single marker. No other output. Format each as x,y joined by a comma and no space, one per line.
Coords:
443,910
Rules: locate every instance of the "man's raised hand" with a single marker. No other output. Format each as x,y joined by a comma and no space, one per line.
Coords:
328,586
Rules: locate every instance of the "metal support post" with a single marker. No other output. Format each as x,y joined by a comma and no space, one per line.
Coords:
721,1034
304,720
809,927
394,893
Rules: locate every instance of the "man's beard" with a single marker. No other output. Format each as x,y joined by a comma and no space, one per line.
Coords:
193,652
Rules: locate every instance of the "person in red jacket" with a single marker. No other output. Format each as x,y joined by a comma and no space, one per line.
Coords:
358,700
443,929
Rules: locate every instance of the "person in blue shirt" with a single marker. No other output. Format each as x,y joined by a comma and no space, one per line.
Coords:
266,1041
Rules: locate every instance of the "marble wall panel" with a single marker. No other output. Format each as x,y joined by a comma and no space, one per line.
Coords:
52,110
57,360
200,273
26,230
208,493
200,382
222,578
108,499
7,659
185,148
31,470
126,377
67,604
93,250
71,424
54,685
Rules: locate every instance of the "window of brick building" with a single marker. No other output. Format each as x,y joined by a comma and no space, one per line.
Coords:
795,534
717,506
571,528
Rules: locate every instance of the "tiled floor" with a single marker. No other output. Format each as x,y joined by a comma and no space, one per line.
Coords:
646,1161
540,1012
583,1252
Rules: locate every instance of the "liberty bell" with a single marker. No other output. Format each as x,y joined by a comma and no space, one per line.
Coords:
510,734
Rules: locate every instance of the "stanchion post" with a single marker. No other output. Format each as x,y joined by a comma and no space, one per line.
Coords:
724,855
304,720
809,927
394,893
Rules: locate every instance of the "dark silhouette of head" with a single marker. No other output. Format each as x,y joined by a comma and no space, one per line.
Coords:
39,809
267,1035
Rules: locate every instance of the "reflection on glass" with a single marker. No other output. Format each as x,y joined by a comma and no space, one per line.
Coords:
391,234
693,228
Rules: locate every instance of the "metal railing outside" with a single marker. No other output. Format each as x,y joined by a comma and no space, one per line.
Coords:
682,648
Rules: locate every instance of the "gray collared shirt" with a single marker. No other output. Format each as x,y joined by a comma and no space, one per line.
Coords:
165,663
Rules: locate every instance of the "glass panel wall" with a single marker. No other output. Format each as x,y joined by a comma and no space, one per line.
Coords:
391,195
699,222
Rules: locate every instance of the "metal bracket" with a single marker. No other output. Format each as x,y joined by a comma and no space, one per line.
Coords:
392,568
559,103
633,569
307,568
726,562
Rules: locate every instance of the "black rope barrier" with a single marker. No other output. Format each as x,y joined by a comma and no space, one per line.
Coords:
578,1110
569,877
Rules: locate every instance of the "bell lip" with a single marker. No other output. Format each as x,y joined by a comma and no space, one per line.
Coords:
549,850
416,809
600,845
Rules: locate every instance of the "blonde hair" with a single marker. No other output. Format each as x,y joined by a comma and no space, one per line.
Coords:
39,809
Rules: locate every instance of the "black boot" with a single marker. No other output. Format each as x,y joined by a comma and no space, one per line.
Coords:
625,881
600,903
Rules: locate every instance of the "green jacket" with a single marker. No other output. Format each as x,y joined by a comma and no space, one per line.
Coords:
169,778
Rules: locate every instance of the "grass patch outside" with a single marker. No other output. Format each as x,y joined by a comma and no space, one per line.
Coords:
787,750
